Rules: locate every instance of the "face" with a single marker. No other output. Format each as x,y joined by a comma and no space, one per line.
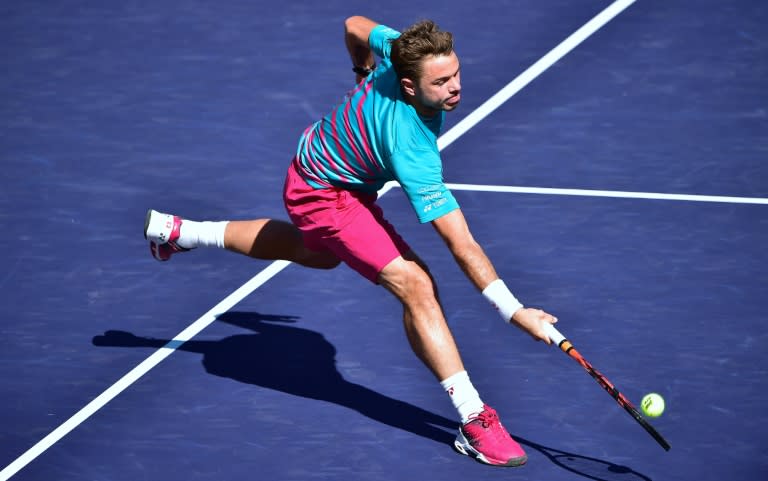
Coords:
439,87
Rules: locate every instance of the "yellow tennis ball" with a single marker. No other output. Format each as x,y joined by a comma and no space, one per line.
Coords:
652,405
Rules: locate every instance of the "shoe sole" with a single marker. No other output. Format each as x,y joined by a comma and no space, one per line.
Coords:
154,247
146,222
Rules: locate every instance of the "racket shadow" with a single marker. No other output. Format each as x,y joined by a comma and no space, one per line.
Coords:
585,466
295,361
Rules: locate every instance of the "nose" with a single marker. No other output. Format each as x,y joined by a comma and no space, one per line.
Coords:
455,84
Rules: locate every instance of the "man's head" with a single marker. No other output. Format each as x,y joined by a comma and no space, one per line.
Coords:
427,67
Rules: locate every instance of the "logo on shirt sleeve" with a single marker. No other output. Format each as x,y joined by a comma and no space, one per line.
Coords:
432,196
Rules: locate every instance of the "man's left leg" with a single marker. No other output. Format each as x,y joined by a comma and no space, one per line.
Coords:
267,239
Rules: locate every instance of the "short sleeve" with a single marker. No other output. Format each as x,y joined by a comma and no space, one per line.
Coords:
379,40
420,174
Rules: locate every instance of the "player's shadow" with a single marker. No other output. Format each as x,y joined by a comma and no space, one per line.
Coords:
293,360
301,362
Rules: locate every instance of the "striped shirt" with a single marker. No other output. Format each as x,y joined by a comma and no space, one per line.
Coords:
373,136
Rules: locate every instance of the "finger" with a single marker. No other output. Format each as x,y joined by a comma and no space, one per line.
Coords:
538,338
546,318
542,336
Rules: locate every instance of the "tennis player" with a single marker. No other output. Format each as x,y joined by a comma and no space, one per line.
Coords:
385,129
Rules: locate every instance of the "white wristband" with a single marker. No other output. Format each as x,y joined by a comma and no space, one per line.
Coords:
504,301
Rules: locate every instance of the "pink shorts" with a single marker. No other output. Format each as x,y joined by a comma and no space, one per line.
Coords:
350,224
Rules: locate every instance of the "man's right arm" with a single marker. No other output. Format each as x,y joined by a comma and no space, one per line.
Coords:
453,228
357,29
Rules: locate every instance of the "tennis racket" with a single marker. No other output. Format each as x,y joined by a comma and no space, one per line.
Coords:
566,346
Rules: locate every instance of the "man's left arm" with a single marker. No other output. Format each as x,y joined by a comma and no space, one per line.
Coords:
473,261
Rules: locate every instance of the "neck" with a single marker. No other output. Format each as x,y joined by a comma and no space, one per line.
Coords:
420,108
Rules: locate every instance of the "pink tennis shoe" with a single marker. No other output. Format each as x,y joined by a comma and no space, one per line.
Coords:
485,439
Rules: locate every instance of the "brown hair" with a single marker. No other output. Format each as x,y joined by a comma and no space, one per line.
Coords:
420,40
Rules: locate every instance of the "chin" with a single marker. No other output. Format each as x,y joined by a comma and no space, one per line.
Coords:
449,107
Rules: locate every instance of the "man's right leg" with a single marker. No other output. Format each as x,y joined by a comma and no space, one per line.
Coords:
481,434
352,226
428,333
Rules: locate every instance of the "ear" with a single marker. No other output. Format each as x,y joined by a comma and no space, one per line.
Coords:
409,87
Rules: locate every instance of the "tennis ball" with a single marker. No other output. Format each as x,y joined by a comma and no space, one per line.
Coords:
652,405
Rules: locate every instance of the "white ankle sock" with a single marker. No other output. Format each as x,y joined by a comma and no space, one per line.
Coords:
463,394
201,234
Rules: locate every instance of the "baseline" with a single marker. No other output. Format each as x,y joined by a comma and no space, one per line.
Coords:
609,193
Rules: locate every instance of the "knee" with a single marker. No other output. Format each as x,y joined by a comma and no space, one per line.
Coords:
420,281
330,262
409,280
318,259
326,262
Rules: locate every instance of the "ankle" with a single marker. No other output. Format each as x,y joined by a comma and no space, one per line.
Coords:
463,394
202,234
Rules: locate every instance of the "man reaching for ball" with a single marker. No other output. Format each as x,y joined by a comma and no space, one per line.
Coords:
385,129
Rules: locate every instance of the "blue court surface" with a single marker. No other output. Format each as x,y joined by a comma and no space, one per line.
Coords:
624,188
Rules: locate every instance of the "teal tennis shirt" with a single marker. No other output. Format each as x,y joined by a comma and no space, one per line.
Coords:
373,136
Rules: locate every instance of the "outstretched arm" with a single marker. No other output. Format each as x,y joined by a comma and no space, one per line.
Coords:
454,230
356,32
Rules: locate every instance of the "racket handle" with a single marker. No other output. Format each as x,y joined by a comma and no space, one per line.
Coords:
553,334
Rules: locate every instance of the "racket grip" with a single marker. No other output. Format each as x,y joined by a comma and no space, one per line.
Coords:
553,334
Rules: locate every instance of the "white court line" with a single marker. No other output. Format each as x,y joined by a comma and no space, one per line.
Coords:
609,193
446,139
137,372
533,71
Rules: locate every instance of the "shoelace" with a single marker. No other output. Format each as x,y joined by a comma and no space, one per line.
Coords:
486,417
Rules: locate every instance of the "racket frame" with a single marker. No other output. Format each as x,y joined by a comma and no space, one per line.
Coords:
567,347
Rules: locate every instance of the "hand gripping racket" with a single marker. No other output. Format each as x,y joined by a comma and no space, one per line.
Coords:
566,346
